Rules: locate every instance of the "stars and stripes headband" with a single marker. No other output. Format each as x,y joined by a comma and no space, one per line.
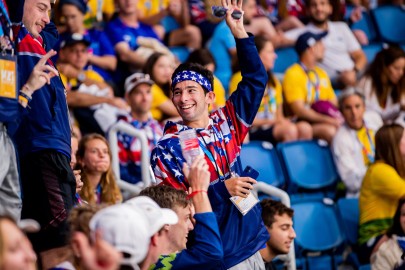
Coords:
189,75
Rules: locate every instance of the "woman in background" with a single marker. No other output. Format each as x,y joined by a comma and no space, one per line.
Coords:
382,188
383,84
94,161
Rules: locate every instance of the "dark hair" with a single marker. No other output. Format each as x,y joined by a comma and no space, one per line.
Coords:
396,223
387,141
197,68
271,208
378,73
260,42
166,196
148,69
201,56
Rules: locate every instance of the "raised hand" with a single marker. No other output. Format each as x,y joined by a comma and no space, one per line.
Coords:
233,22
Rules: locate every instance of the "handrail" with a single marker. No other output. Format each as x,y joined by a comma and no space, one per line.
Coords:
285,199
126,128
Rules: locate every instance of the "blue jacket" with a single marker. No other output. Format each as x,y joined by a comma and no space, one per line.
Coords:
45,125
242,235
205,254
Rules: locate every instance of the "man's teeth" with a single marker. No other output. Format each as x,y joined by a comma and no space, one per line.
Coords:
187,107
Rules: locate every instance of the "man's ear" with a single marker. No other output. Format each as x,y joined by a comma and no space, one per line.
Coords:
210,97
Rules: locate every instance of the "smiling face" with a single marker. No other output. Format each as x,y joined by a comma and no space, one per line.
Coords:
192,102
96,157
282,234
17,250
178,233
36,15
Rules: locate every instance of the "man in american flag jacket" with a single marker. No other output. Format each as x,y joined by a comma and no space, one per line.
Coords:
220,134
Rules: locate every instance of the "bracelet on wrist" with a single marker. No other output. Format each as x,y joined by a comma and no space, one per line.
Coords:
192,194
23,101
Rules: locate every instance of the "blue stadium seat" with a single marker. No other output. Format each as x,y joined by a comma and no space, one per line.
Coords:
263,157
285,58
366,25
390,22
349,213
317,226
308,164
365,267
371,50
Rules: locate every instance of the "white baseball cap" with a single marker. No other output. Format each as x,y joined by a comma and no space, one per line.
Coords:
136,79
156,217
125,229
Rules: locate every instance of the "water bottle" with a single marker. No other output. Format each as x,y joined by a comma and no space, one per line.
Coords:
189,145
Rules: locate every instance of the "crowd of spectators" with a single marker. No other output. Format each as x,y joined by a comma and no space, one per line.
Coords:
71,69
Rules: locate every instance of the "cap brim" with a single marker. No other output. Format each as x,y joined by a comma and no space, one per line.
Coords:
29,225
131,86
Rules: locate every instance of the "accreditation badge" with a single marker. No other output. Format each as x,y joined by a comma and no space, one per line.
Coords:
8,76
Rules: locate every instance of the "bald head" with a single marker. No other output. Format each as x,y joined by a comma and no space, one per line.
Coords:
36,15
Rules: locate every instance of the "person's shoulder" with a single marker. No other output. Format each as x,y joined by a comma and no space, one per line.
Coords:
382,170
339,25
342,135
321,72
293,70
373,120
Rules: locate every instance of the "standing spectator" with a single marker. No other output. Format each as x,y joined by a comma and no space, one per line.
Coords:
206,251
344,59
278,220
389,254
270,124
383,84
220,135
305,84
353,146
139,97
160,69
43,136
94,159
383,186
10,200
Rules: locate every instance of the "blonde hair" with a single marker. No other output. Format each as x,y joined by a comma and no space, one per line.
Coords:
110,193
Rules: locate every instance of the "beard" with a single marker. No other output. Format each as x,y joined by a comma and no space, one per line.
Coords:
319,22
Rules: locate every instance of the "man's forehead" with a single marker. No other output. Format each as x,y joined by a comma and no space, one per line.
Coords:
284,218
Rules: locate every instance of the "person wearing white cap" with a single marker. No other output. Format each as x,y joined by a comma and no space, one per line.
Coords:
206,251
134,228
138,94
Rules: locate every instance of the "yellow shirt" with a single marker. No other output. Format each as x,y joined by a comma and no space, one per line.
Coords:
91,15
219,91
148,8
367,146
380,192
91,74
296,85
272,97
158,98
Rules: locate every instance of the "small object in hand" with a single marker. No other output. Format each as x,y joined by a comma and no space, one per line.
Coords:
220,12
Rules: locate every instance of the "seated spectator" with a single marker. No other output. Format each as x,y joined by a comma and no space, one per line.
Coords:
391,247
305,84
183,33
94,161
353,146
16,250
160,69
383,84
139,97
124,32
205,58
101,57
152,239
206,250
270,124
90,97
278,220
382,188
344,59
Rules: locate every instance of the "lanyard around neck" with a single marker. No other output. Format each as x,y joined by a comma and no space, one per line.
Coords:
310,83
369,155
